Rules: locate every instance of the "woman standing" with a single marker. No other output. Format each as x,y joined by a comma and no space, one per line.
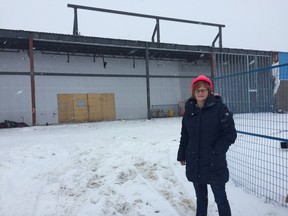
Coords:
207,132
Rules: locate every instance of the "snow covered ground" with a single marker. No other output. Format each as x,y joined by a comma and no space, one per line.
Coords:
106,168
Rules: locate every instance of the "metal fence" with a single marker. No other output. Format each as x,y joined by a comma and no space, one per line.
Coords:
258,161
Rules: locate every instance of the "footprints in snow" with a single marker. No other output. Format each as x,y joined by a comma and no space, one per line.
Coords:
93,183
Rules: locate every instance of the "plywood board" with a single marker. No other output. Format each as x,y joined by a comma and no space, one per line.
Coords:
65,108
94,107
108,106
86,107
80,107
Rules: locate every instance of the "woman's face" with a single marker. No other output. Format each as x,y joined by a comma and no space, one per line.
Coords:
201,93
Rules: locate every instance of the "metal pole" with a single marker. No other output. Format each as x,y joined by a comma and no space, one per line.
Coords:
75,30
212,64
220,38
75,25
148,82
32,79
158,30
154,32
214,41
144,15
248,82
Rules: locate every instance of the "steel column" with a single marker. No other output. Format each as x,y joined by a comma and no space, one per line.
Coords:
75,25
147,82
32,79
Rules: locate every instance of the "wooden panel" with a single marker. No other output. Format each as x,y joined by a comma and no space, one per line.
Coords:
86,107
108,106
94,107
80,107
65,108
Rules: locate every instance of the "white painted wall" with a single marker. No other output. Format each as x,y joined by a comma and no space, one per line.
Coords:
130,93
14,61
15,90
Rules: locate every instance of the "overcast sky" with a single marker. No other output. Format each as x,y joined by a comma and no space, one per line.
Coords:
249,24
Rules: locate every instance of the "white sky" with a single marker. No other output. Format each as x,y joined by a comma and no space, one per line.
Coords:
250,24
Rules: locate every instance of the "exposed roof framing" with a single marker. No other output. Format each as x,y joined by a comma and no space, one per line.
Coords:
156,18
14,39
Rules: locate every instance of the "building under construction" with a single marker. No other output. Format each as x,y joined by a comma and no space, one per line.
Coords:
48,78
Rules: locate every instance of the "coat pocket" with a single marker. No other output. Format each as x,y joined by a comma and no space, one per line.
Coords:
217,162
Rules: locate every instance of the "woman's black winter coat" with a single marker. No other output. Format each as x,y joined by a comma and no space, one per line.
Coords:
206,135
